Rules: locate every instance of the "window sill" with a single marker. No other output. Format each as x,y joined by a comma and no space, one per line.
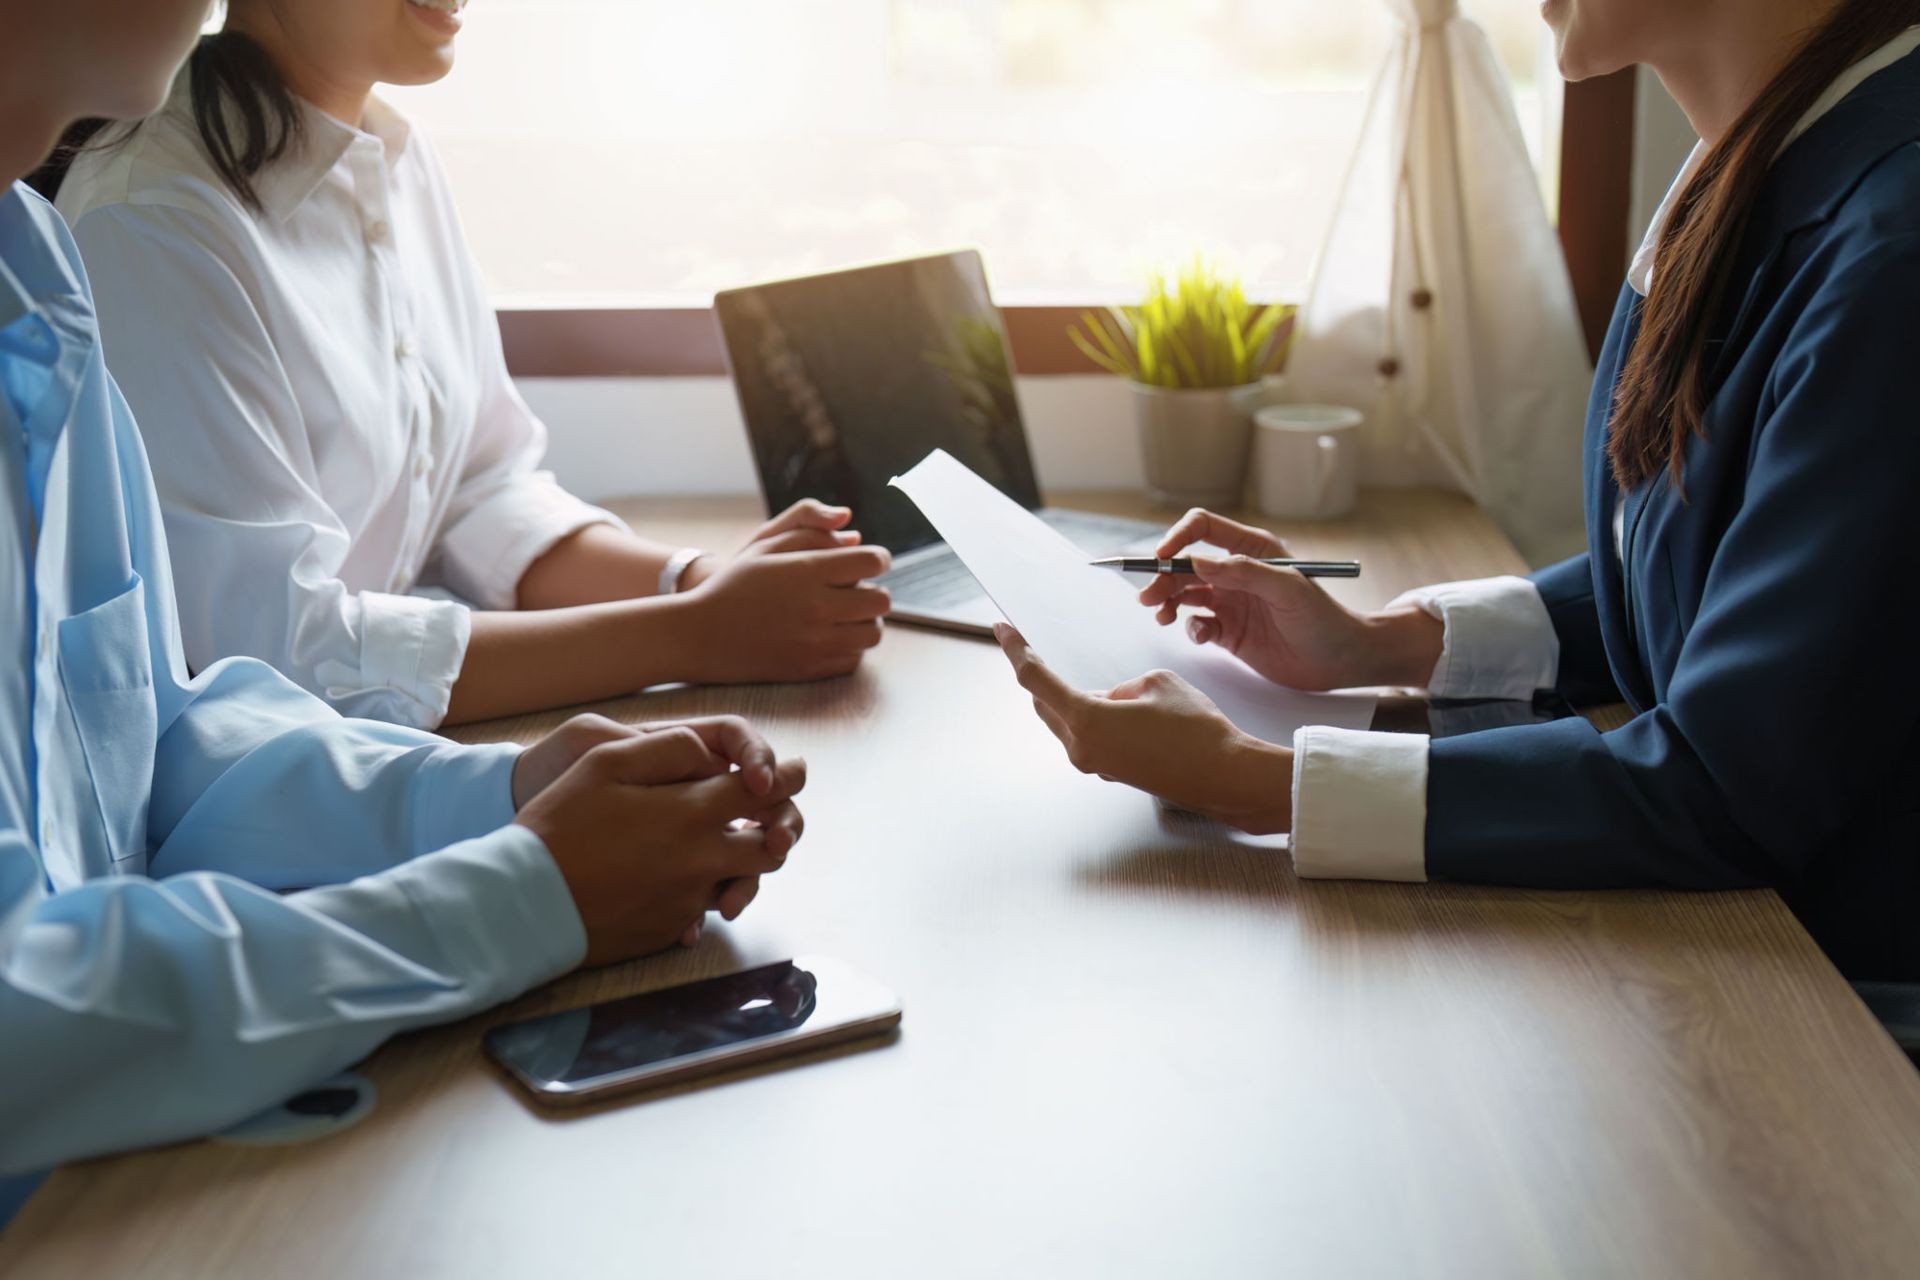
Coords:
684,342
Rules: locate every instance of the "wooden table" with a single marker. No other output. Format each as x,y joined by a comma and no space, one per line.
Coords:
1134,1045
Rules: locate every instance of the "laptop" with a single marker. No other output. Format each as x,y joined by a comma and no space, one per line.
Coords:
850,378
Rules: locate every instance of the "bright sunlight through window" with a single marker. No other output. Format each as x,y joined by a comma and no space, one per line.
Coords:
649,152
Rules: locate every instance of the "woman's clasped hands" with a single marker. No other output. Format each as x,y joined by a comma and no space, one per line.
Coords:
797,602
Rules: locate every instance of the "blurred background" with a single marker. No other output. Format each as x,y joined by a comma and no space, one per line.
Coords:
649,152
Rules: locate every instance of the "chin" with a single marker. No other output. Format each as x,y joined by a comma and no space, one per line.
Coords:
422,68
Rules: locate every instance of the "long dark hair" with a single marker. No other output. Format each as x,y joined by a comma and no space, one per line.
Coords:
245,114
1661,396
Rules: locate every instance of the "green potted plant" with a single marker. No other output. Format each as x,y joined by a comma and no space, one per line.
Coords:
1195,351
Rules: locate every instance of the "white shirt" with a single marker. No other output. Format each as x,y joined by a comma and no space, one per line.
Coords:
1360,798
323,393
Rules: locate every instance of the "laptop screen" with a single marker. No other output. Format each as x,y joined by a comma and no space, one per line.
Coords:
848,379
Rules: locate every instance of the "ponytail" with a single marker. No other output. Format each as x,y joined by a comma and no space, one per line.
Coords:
243,111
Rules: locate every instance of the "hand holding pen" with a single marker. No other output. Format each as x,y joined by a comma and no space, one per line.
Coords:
1183,564
1279,623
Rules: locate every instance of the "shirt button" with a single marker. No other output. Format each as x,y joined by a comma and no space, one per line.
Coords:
404,348
377,230
421,466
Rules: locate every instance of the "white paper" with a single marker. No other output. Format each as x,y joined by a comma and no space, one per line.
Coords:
1087,623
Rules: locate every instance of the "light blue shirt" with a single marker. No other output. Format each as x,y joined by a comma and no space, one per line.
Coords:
214,892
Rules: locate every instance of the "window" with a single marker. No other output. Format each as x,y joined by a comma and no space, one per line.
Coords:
648,152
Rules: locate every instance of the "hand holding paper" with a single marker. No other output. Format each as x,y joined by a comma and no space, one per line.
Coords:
1085,622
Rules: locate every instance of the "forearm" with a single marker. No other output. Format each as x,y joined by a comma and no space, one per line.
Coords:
597,565
520,662
201,991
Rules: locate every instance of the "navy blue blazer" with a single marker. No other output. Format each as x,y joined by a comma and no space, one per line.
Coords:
1767,620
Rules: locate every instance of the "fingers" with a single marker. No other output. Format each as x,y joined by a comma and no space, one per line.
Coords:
1192,594
808,513
675,753
1201,525
753,851
1203,629
1037,678
857,636
778,830
725,798
1273,583
736,896
861,603
795,540
1164,586
585,732
735,741
849,566
781,828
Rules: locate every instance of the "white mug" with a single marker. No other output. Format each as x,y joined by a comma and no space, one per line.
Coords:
1306,460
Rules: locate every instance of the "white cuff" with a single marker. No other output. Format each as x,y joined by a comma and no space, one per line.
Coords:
411,651
1359,805
484,556
1499,641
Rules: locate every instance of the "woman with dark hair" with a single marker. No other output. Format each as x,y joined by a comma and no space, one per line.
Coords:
350,480
1752,462
215,893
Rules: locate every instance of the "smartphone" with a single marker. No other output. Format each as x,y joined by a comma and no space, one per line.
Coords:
682,1033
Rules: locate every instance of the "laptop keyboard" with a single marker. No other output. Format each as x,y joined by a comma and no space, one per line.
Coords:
943,581
937,582
1100,535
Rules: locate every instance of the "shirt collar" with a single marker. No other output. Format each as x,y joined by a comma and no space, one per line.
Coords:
325,142
285,184
1640,272
27,329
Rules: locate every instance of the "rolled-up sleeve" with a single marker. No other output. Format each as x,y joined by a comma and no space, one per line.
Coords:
507,512
259,550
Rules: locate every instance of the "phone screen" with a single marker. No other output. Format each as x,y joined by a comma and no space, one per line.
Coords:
636,1038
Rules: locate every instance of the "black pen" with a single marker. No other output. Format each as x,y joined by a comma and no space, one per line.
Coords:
1311,568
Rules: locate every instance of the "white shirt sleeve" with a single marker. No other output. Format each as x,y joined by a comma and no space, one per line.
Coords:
506,512
258,551
1499,641
1360,798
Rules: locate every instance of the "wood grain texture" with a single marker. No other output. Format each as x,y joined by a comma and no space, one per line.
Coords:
1134,1044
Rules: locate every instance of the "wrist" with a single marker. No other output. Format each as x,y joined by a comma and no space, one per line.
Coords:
684,570
1263,786
663,635
1404,647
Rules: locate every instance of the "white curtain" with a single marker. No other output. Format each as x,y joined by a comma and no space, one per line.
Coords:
1440,305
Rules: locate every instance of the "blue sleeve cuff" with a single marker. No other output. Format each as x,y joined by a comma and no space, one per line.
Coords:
499,910
464,792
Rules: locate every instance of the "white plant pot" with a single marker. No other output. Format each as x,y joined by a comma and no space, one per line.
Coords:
1194,443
